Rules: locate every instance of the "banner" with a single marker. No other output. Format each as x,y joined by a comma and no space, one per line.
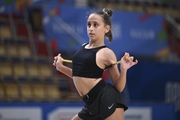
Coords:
66,110
134,32
20,113
63,113
139,113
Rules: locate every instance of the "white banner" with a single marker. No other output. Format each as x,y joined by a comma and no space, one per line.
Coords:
64,113
20,113
138,113
133,113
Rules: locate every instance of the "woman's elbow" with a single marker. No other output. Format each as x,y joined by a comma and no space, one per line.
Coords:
119,89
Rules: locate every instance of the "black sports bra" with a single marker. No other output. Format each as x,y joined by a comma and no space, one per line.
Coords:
84,63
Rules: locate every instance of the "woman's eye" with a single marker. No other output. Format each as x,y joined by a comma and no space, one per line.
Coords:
95,25
89,25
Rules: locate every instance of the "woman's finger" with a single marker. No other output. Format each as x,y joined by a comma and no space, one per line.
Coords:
126,53
131,58
134,63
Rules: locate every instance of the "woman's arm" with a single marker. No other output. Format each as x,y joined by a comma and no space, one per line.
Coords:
58,63
119,78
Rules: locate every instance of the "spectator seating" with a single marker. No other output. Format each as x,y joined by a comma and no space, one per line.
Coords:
26,70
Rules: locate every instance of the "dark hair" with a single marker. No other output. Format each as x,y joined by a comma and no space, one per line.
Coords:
106,14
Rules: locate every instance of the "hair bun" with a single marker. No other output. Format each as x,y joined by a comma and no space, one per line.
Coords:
107,11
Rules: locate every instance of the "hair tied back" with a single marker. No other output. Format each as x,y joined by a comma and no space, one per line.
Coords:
107,12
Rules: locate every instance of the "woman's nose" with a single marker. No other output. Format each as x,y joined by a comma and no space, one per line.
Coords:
91,27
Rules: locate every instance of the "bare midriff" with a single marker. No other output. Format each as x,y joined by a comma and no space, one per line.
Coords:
84,85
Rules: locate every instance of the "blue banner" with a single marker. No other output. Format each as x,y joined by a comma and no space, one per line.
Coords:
65,26
137,33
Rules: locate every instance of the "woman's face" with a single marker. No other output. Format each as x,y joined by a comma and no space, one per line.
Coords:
96,28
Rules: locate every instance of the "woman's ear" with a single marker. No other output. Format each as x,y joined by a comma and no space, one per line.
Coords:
107,28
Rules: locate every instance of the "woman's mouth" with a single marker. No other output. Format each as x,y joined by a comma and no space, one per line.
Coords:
91,34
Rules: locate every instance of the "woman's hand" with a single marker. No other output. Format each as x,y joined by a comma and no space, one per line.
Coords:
58,63
127,61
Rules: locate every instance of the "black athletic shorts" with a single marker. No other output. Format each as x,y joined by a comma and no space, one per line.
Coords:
101,102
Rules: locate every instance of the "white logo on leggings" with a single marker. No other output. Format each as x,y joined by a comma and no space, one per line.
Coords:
109,107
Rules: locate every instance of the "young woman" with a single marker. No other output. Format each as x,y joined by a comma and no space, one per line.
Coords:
103,101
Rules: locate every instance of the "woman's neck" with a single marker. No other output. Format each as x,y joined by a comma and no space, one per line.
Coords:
95,44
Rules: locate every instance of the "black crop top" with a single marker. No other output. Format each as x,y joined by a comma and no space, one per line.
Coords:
84,63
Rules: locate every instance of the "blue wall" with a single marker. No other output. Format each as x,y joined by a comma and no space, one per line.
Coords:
155,82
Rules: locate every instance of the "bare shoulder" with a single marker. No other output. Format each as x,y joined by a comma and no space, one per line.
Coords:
107,55
107,52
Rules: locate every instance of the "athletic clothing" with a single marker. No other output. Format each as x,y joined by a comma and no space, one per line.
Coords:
84,63
101,101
